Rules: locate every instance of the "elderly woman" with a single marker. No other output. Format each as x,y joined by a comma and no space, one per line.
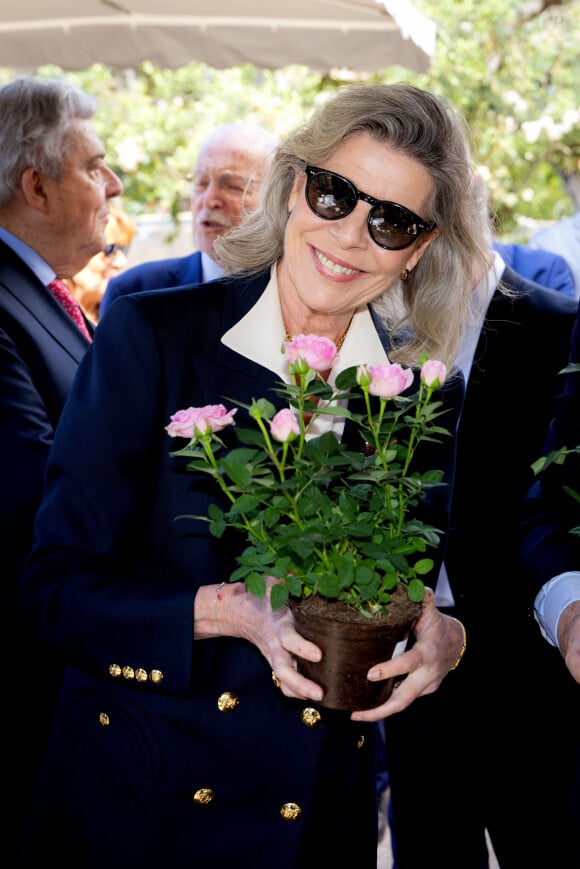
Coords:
172,745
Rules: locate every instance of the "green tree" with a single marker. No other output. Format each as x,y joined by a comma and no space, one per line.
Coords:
513,69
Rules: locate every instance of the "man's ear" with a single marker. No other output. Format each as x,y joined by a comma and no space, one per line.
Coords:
32,184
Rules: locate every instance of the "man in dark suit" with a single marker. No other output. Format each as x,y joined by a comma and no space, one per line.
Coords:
491,747
54,195
550,553
229,168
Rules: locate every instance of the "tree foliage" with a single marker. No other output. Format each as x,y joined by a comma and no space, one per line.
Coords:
512,68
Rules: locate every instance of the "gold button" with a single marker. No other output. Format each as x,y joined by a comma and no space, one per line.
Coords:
115,670
141,675
310,716
128,673
290,811
156,676
360,742
228,701
203,796
104,719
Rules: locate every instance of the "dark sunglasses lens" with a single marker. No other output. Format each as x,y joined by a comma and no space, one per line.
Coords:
329,196
392,227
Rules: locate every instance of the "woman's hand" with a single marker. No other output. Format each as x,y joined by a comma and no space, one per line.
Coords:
439,645
229,610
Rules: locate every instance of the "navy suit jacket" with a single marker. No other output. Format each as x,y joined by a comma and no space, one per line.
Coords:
112,582
40,351
548,547
154,275
509,403
541,266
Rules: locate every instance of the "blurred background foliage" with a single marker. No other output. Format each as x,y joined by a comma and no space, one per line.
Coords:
513,68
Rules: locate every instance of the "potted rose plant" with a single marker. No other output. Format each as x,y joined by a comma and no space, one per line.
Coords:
333,523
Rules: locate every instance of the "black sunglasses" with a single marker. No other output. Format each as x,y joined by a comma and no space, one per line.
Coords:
391,226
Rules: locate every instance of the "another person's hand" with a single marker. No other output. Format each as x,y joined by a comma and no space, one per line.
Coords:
569,638
439,645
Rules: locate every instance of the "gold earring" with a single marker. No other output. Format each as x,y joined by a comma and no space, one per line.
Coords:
404,275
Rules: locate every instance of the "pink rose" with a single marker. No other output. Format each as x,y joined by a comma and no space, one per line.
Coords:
197,421
319,353
389,380
284,426
433,372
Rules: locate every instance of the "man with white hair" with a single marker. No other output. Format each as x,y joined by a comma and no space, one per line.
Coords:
228,171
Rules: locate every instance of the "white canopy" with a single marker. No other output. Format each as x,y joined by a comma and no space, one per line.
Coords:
361,35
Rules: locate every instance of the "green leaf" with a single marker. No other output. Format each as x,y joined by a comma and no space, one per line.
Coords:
256,585
416,590
423,566
278,595
217,528
243,504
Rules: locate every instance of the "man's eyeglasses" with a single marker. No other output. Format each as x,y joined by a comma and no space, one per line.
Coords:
391,226
111,249
230,183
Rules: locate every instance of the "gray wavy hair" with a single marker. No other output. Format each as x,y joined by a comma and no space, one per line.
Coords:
429,312
35,116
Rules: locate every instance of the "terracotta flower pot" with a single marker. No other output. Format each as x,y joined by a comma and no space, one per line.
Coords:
351,644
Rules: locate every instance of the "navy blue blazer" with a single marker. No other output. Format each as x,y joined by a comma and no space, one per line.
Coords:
544,267
508,405
112,583
40,351
548,547
154,275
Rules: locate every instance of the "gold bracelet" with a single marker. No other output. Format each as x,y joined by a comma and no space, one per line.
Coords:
463,645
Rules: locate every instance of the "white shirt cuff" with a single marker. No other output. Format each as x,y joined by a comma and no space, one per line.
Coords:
552,600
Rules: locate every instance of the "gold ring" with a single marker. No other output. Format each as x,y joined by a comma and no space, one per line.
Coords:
275,680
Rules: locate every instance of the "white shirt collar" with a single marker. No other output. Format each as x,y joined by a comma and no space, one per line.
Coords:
259,336
260,333
209,268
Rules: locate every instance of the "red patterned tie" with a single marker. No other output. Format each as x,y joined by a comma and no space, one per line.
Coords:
62,294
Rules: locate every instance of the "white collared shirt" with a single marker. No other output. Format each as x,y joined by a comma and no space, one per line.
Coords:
362,345
209,268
